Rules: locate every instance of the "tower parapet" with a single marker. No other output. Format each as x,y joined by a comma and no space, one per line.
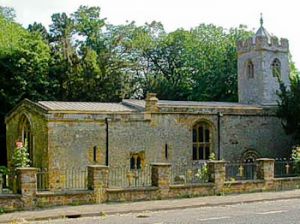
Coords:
263,43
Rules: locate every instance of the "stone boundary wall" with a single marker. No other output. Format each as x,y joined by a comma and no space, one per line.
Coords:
10,202
48,199
98,191
132,194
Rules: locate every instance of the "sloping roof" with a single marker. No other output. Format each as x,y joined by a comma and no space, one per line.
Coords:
262,32
84,106
138,104
169,103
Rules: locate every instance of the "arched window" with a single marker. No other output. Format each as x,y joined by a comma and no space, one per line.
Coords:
26,136
135,162
250,70
276,68
201,141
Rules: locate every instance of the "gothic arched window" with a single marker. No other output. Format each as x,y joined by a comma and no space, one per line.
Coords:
250,70
201,141
26,136
276,68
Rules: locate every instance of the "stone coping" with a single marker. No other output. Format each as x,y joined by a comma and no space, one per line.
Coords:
132,189
217,161
286,178
244,182
174,186
265,159
98,166
62,193
161,164
27,169
9,196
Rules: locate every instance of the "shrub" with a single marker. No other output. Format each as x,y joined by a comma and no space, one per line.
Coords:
20,156
296,158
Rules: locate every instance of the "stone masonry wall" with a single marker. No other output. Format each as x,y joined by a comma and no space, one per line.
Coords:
71,144
38,130
10,202
49,199
75,139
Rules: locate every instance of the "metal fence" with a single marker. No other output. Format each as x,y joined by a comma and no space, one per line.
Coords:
285,168
189,173
70,179
75,179
5,183
126,177
240,171
42,180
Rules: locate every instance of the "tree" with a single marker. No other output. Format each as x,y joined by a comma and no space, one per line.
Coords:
64,58
7,13
39,29
289,104
24,59
199,64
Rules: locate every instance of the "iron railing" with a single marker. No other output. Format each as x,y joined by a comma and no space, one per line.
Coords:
240,171
42,180
75,179
70,179
285,168
189,173
125,177
4,183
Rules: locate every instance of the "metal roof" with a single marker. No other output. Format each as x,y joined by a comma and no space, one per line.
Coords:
170,103
84,106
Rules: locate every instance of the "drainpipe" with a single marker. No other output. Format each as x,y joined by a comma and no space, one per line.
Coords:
219,134
106,151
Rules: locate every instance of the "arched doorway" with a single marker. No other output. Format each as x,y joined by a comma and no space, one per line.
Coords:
249,165
250,156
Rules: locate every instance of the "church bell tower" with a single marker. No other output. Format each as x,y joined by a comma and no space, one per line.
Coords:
262,60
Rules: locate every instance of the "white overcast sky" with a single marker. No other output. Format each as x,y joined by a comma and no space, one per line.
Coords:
281,18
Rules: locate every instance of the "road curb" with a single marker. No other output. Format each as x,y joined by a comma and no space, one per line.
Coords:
127,211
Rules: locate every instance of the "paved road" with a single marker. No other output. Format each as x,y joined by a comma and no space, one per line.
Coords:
273,212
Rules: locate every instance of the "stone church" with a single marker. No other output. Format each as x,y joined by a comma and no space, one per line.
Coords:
133,133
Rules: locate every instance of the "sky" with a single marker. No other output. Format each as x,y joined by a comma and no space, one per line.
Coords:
281,18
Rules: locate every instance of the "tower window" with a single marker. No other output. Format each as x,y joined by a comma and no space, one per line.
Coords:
250,70
201,141
276,68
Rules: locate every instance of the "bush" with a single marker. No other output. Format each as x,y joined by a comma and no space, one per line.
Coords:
296,158
4,170
20,156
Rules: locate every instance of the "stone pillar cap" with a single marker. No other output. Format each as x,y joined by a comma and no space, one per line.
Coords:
151,96
160,164
216,161
265,159
98,166
27,168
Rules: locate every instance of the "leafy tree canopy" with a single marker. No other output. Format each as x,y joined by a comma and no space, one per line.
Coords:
289,104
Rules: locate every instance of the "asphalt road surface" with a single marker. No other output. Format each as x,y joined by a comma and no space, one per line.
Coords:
273,212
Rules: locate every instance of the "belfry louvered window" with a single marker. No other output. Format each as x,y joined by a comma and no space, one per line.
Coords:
250,70
276,68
